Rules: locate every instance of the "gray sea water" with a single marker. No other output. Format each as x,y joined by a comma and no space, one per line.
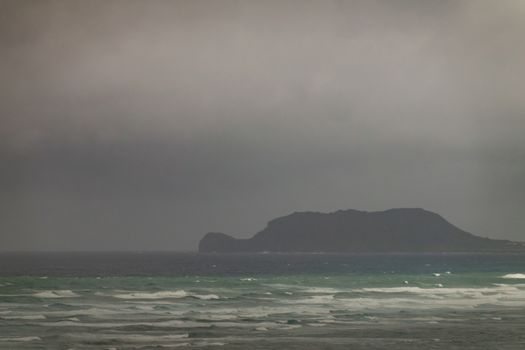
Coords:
261,301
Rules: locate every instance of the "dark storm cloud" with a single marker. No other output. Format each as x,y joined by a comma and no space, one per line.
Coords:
142,125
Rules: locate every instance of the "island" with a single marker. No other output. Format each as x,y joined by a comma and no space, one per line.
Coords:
354,231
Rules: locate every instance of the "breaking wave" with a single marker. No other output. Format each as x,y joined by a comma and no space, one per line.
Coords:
56,294
19,339
514,276
177,294
26,317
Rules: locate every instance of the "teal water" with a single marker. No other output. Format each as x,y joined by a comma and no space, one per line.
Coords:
262,302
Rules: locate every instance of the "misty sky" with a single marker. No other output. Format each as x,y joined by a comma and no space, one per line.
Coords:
145,124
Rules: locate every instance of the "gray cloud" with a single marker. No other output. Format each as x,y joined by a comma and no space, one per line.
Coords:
143,125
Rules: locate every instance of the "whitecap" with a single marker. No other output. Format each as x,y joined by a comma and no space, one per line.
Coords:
172,323
444,291
19,339
155,295
204,343
167,345
129,338
394,290
290,326
409,297
322,290
94,312
206,296
315,299
56,294
177,294
216,317
26,317
514,276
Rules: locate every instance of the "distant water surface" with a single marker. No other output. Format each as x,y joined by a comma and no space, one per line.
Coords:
261,301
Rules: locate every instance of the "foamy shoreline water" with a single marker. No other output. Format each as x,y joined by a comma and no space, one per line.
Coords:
390,304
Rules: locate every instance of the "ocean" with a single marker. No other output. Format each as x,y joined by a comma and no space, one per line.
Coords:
261,301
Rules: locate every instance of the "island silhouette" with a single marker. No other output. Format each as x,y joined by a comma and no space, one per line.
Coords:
354,231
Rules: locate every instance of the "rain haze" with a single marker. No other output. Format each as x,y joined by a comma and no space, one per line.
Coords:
142,125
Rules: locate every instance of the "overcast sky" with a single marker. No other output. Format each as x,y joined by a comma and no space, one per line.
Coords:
145,124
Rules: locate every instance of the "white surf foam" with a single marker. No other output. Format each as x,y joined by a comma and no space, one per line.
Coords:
394,290
94,312
322,290
129,338
408,297
177,345
24,317
318,299
205,344
55,294
161,346
290,326
206,296
177,294
288,308
170,323
514,276
19,339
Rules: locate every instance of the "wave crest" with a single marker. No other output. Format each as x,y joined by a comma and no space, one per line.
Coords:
50,294
177,294
514,276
